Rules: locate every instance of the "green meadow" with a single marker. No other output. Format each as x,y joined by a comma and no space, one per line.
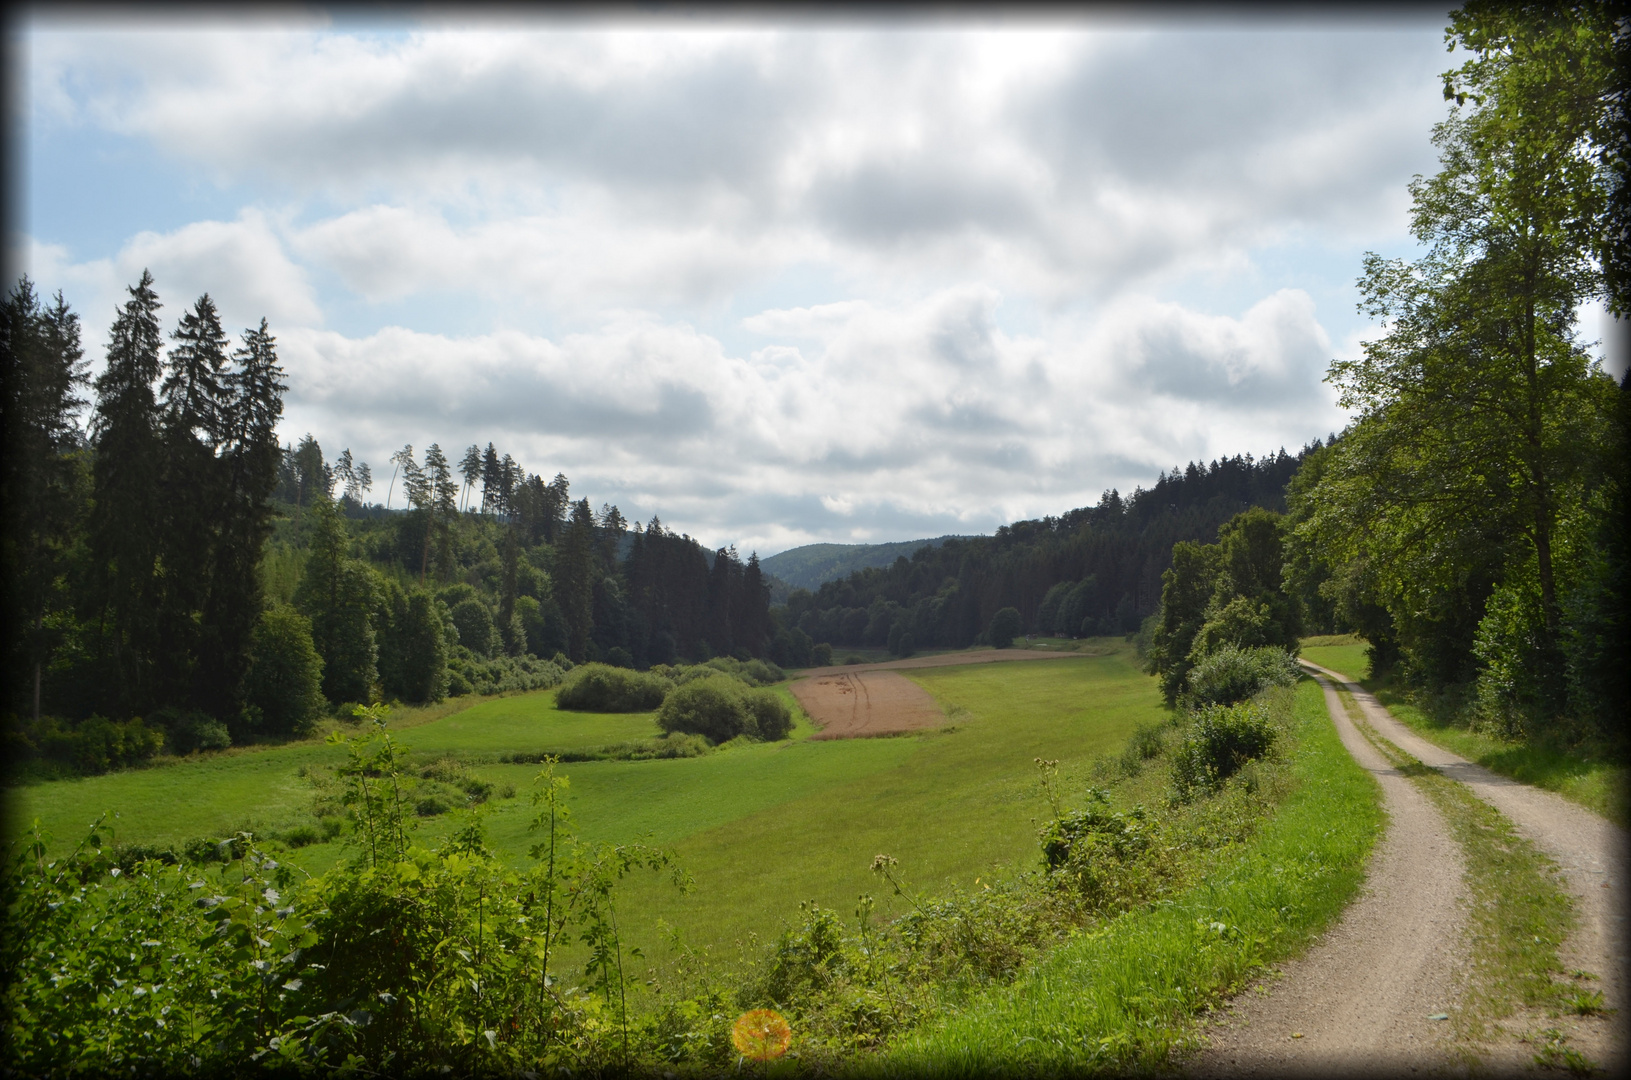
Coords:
759,827
1342,653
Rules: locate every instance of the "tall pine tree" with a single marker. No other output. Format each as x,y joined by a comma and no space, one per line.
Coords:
124,531
41,486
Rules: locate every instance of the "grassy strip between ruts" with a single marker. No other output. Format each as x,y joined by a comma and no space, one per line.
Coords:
1593,776
1581,774
1518,917
1127,994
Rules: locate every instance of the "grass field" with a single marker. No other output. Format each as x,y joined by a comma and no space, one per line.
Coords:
760,827
1342,653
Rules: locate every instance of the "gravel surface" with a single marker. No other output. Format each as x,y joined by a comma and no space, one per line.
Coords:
1590,851
1362,999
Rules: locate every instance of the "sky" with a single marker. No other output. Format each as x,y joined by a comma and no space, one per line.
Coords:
777,279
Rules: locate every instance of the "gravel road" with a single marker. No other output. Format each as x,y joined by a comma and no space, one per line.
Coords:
1590,851
1361,998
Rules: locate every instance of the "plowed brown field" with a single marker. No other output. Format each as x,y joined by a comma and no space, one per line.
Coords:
858,704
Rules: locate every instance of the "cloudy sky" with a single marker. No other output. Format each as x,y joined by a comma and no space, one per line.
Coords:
776,281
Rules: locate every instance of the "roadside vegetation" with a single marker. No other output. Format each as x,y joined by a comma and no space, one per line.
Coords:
1109,835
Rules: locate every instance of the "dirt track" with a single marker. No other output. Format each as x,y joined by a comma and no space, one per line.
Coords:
1590,851
1361,997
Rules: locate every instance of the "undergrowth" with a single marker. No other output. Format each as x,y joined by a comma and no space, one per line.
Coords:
1149,898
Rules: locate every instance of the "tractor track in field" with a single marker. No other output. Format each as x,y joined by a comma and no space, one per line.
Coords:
1362,998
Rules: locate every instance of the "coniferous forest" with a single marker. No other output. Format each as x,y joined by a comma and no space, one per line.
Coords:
177,580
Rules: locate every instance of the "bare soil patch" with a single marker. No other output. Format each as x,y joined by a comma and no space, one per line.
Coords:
954,659
851,704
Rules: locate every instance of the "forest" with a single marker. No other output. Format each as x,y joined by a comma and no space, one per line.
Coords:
177,580
1094,570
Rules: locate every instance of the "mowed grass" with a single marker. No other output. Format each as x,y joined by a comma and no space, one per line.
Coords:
261,789
527,723
1124,997
949,805
759,827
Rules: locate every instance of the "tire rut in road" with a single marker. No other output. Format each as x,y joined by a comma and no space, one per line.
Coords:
1364,995
1590,851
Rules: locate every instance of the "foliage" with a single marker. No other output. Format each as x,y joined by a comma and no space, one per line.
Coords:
721,707
339,594
1230,674
505,674
192,730
1220,740
1228,594
1473,501
285,673
194,967
475,625
93,745
601,688
1004,627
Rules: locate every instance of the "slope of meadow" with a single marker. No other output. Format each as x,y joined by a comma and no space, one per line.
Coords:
760,827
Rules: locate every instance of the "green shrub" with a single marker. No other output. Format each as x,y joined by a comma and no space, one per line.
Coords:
1220,740
712,706
285,673
604,688
723,707
1005,626
1229,675
821,655
504,674
771,716
475,625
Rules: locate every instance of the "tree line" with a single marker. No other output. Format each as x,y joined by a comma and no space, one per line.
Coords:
1471,522
1093,570
176,578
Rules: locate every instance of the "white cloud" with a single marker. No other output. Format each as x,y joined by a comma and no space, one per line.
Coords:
1004,214
1062,160
926,412
241,264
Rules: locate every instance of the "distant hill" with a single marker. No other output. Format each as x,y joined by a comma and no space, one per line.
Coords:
810,566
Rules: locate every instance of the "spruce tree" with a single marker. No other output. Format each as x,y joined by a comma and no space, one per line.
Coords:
193,404
249,473
574,570
41,477
492,479
124,531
